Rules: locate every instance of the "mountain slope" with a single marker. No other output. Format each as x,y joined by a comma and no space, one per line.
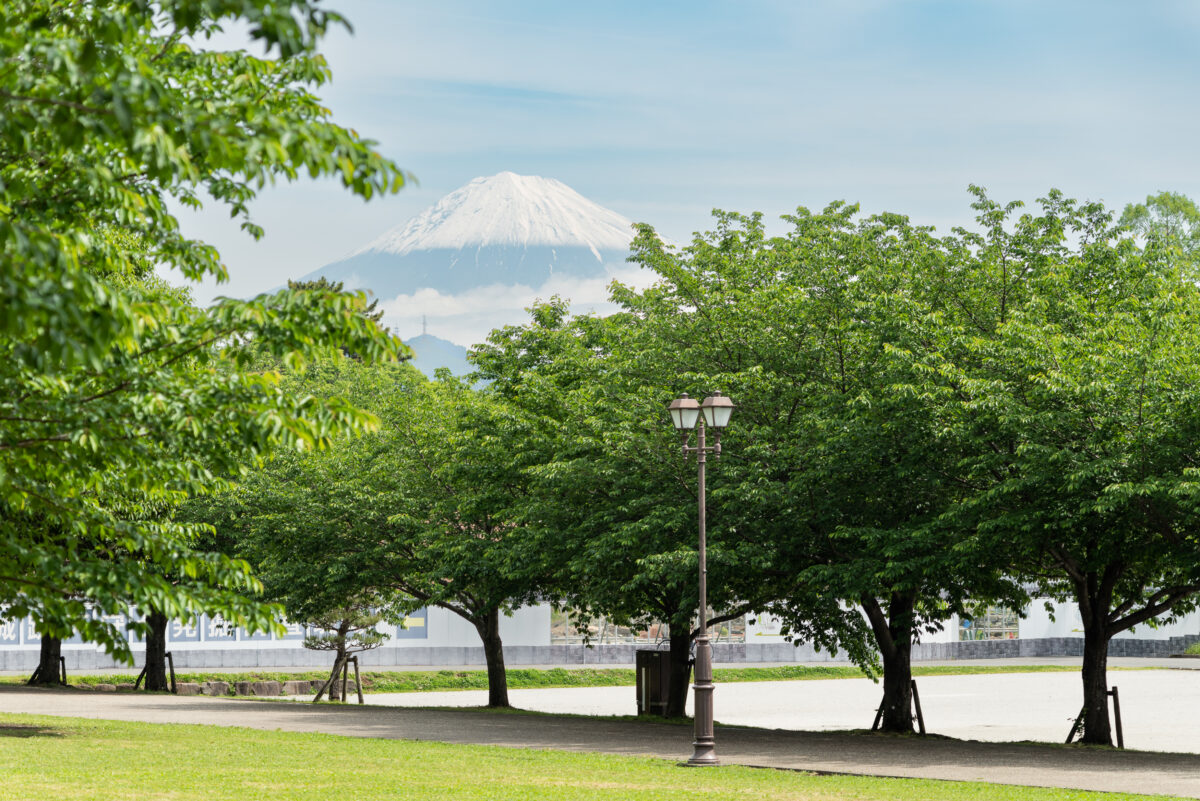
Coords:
432,352
506,229
508,210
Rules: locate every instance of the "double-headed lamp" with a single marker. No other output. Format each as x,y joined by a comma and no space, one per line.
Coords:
684,412
717,408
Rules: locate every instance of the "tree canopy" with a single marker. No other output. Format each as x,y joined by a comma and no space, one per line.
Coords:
419,513
1075,409
925,422
116,398
610,498
833,483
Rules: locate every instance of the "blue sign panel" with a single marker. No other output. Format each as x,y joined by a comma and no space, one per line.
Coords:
31,636
415,626
183,631
76,638
216,629
10,632
135,617
258,635
295,631
121,622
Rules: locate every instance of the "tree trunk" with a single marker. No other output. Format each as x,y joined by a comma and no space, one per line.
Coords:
48,669
339,664
328,687
897,688
680,670
1096,728
156,651
493,651
335,677
893,635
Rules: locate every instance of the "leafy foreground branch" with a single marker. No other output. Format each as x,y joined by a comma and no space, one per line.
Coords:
118,397
76,758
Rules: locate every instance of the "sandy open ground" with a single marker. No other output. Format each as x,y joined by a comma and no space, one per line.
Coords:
1158,707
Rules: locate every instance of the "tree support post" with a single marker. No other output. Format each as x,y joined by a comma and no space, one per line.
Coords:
1117,715
329,682
917,705
1077,726
918,716
167,657
357,681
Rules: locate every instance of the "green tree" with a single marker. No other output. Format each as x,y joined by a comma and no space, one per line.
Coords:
459,541
116,399
323,284
611,500
347,630
314,526
1168,218
834,481
419,513
1078,414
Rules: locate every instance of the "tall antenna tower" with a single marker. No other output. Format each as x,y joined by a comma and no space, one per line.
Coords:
424,325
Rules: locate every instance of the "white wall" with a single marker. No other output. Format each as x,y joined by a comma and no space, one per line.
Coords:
1068,623
529,625
1035,624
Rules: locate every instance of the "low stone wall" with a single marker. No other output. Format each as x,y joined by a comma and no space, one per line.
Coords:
1050,646
258,658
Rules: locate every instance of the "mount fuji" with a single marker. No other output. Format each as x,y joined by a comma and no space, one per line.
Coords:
508,229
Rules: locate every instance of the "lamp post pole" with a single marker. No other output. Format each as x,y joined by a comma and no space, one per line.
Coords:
704,748
685,415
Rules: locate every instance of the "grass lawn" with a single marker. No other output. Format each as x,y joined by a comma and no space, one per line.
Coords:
70,758
423,681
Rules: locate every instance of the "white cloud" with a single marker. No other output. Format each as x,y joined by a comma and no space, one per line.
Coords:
467,317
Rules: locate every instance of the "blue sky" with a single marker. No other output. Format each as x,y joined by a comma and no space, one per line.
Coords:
663,111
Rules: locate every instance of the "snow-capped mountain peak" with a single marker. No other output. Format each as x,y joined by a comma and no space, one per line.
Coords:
508,210
506,230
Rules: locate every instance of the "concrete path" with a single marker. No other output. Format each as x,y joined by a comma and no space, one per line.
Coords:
1070,661
1158,707
1029,764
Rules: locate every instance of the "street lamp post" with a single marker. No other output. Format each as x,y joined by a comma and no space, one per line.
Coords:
686,415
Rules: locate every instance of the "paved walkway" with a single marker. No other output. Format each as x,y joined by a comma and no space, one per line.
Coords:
1158,707
1030,764
1072,661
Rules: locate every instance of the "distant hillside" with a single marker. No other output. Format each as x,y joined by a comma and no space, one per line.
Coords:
433,352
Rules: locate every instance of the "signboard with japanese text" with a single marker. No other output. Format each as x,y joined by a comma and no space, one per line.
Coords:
183,631
217,629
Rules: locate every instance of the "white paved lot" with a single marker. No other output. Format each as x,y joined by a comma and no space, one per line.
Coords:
1158,707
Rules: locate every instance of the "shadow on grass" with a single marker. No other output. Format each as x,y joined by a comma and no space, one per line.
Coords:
11,730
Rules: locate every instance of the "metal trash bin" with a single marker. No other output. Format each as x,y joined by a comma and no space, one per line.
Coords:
653,681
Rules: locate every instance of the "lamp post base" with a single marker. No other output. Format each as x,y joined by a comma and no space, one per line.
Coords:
703,756
704,748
